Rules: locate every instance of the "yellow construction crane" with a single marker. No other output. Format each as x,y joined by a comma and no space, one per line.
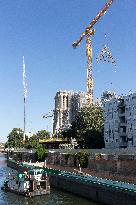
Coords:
88,33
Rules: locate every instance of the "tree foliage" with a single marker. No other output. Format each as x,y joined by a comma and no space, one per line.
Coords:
41,153
88,127
32,142
70,132
15,138
83,159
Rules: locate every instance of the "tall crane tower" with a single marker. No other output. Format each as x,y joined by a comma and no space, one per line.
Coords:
88,33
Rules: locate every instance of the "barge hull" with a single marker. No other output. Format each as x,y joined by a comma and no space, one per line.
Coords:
97,193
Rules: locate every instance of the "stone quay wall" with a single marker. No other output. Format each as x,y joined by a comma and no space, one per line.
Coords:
22,155
120,164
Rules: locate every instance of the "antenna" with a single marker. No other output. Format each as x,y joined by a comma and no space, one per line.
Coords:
25,96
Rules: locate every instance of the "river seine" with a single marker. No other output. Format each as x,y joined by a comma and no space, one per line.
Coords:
55,198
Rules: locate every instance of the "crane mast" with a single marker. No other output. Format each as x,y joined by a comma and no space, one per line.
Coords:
89,31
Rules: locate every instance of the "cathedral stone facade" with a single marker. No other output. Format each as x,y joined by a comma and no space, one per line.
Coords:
67,104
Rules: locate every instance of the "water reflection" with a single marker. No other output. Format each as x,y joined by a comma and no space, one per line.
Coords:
55,198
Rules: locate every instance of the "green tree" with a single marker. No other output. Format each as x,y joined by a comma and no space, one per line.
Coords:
32,142
83,159
15,138
70,132
41,153
88,127
67,133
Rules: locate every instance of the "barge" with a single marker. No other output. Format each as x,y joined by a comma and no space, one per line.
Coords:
35,182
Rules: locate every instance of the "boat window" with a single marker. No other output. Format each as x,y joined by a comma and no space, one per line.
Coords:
38,186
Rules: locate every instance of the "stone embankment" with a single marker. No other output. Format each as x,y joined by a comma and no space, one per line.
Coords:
120,165
116,165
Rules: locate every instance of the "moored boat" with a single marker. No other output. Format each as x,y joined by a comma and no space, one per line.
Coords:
32,183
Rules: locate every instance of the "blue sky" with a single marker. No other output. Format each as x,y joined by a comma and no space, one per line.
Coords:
43,31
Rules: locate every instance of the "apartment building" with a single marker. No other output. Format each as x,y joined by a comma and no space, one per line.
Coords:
120,121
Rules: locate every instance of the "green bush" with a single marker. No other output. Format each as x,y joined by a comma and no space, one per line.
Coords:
98,156
83,159
41,153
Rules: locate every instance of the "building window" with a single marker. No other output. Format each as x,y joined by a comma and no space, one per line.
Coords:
134,98
67,101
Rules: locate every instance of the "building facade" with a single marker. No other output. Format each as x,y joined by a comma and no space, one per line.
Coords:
67,104
120,121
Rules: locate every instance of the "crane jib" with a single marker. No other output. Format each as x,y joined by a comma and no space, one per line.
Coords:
93,22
